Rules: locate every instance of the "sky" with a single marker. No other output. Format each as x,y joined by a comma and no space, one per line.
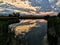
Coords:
31,7
46,4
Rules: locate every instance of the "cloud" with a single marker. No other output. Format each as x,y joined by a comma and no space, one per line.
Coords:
43,4
30,7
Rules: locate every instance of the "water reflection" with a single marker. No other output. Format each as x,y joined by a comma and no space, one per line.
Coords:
31,32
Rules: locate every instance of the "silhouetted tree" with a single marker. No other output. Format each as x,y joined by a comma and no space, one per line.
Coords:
10,15
58,14
14,15
46,17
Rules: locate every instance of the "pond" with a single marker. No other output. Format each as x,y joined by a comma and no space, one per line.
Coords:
32,30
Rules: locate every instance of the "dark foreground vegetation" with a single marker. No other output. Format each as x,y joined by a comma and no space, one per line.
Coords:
7,37
55,23
5,34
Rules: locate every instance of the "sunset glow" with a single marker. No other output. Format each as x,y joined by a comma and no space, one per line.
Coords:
25,7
